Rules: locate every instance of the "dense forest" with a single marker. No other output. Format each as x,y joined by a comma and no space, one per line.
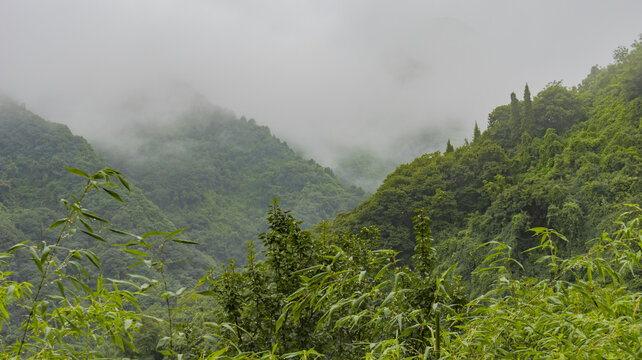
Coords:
567,159
215,174
522,243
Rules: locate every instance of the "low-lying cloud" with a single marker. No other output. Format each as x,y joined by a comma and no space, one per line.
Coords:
323,75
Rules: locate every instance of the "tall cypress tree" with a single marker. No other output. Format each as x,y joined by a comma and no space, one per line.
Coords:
515,119
476,133
449,147
528,119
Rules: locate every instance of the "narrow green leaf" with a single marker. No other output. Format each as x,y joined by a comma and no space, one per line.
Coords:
77,172
134,265
218,353
36,259
136,252
122,181
538,230
153,233
57,223
122,232
17,246
185,241
44,254
119,341
94,235
280,320
162,342
95,217
113,194
140,277
175,232
60,288
92,258
86,225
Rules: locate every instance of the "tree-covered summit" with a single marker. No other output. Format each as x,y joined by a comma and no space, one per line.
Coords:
566,158
215,174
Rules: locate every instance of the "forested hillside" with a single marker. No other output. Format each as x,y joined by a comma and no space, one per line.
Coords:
567,158
522,245
33,180
208,171
215,174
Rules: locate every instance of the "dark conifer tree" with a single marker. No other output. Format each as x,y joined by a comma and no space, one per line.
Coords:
528,119
476,132
515,118
449,147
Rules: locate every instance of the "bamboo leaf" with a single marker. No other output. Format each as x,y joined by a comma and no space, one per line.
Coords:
77,172
136,252
153,233
94,235
113,194
175,232
185,241
57,223
123,181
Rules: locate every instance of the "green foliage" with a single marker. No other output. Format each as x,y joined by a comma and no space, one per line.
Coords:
215,174
558,108
372,308
34,155
476,133
585,309
335,295
449,147
362,168
515,117
82,315
536,293
528,116
70,311
570,170
329,296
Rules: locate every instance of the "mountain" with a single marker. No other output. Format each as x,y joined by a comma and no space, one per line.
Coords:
367,169
33,156
215,174
566,159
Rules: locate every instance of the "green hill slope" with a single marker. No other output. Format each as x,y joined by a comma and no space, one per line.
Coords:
33,179
215,174
566,159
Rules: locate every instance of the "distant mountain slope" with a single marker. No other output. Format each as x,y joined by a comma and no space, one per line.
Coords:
566,159
33,156
216,174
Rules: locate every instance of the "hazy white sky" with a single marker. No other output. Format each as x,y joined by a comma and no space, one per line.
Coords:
321,74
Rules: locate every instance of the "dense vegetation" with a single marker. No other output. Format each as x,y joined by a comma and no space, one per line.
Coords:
33,179
363,169
476,281
327,296
215,174
566,159
206,171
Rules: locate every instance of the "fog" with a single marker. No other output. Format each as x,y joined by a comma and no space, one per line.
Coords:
323,75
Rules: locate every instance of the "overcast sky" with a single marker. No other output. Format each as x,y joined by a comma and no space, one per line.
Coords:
322,75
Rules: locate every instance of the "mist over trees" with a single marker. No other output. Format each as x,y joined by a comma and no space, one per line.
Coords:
215,240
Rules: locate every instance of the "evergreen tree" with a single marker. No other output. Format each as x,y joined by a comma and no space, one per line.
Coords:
476,132
449,147
515,118
528,119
